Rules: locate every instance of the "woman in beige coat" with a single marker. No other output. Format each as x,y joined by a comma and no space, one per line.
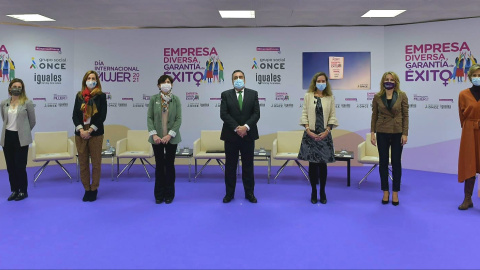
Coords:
318,118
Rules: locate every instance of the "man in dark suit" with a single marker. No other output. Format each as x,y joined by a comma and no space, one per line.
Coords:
240,112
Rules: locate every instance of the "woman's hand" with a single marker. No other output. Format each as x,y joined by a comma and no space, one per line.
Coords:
323,135
311,134
156,139
84,134
166,139
373,139
404,140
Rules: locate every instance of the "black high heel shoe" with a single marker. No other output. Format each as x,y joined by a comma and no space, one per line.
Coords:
388,200
313,198
395,203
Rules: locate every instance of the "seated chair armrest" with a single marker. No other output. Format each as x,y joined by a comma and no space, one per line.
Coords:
121,146
34,150
361,151
71,148
196,147
150,151
274,149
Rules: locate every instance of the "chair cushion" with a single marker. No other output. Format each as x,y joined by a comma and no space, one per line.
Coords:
285,156
52,156
372,160
205,155
369,160
134,154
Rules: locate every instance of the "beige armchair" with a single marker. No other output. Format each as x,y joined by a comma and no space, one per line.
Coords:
286,147
368,154
209,146
135,146
51,146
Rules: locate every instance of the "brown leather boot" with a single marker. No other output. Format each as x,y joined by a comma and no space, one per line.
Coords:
468,189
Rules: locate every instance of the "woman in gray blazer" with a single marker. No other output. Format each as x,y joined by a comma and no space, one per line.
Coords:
18,115
164,118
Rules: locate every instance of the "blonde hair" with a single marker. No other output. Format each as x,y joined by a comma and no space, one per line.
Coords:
397,82
23,96
313,84
472,70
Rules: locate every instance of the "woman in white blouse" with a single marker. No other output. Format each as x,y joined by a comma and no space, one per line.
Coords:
18,114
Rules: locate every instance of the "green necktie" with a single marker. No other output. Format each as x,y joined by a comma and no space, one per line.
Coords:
240,99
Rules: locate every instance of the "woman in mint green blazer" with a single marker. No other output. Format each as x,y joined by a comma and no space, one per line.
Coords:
164,119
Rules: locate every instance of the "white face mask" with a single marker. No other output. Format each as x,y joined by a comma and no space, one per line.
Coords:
165,87
91,84
476,81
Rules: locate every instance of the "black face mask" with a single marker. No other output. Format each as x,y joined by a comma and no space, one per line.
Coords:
16,92
389,85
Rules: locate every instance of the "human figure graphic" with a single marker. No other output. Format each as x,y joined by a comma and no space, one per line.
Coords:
459,74
12,68
210,69
205,73
220,70
5,70
215,70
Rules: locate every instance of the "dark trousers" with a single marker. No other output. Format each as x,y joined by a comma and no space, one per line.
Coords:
318,171
16,159
385,142
164,170
232,149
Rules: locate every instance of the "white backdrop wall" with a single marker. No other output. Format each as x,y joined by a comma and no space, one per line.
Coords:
434,123
139,57
149,50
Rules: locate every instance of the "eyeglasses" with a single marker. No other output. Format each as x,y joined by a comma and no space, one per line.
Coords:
19,89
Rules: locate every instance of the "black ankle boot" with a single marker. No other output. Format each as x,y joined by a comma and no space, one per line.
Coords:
323,197
86,197
93,195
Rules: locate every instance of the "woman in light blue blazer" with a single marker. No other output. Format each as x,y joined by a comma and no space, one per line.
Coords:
164,118
18,114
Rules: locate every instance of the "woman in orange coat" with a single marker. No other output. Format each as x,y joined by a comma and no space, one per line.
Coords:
469,157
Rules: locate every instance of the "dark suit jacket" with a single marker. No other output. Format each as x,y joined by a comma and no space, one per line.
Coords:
393,120
97,119
232,116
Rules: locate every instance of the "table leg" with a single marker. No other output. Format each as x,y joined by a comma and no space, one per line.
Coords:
78,170
189,167
269,168
348,173
112,167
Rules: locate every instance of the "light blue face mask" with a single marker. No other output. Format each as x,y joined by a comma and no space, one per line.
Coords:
321,86
476,81
238,84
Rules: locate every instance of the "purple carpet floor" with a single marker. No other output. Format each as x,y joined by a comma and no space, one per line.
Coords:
125,229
